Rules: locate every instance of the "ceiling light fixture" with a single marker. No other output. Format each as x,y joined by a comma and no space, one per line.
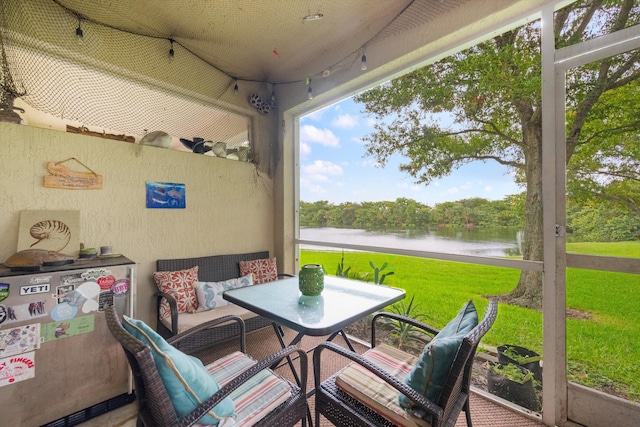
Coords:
79,33
318,16
310,91
171,51
363,65
235,87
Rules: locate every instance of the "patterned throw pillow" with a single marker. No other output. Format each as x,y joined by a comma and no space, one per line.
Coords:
210,293
178,284
264,270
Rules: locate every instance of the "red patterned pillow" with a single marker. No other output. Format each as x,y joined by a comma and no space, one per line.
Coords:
264,270
178,284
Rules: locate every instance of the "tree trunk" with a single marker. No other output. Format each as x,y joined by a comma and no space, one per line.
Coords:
528,291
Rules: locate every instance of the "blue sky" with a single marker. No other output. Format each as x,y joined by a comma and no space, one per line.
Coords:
333,166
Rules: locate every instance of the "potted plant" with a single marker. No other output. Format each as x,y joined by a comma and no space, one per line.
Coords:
522,357
513,383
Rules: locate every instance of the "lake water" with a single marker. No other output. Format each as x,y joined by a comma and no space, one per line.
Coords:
485,242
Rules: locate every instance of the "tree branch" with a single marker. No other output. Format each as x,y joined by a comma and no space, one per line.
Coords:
496,132
609,131
630,177
496,158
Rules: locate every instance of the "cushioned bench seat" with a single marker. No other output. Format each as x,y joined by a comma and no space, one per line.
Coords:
189,320
215,268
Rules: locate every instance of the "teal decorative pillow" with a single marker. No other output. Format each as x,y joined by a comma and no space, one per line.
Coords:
210,293
463,323
185,377
430,372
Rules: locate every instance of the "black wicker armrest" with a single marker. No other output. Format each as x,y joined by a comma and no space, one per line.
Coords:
175,340
269,362
419,400
429,329
173,305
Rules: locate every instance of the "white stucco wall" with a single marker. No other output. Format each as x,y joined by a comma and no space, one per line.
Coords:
229,204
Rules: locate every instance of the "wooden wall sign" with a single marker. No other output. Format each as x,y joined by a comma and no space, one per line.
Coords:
63,177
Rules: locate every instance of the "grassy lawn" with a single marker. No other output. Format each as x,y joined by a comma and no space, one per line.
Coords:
602,334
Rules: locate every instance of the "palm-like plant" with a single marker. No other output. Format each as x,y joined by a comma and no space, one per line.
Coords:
408,337
378,279
342,271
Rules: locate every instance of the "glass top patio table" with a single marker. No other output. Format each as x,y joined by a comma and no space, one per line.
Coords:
341,303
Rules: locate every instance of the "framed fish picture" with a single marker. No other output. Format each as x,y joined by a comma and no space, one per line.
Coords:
166,195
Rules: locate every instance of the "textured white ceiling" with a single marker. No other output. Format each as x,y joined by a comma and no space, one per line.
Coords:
266,40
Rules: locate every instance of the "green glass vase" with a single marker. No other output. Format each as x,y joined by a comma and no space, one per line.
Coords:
311,280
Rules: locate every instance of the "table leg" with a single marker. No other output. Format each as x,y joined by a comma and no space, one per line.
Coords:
341,332
295,341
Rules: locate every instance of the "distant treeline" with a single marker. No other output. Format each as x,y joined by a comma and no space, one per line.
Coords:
588,222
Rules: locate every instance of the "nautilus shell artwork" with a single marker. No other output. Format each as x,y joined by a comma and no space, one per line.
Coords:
51,234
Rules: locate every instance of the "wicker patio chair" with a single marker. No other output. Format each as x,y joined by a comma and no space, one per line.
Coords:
345,410
155,407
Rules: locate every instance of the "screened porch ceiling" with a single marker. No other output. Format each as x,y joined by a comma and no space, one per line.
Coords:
268,41
226,46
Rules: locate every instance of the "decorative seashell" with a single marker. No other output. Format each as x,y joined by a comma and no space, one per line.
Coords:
157,138
243,154
33,259
53,234
220,149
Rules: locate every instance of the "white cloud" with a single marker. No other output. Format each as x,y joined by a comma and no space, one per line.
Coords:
305,149
371,121
320,171
370,162
453,190
488,189
467,185
312,134
345,121
317,189
406,186
357,140
319,177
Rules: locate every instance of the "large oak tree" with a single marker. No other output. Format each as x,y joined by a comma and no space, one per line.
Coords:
492,92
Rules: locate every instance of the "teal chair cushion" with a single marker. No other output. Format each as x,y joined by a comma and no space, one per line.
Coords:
187,381
429,374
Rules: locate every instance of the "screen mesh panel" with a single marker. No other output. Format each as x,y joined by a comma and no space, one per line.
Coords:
112,81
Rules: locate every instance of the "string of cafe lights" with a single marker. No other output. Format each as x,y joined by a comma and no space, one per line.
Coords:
79,34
